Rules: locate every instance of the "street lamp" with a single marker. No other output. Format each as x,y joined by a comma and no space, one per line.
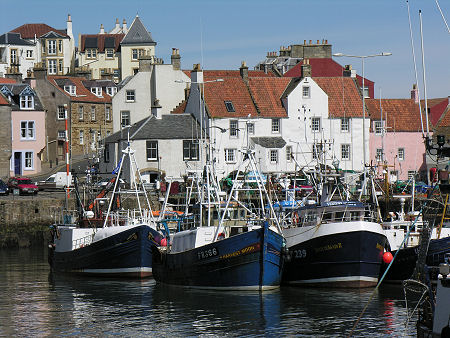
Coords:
362,57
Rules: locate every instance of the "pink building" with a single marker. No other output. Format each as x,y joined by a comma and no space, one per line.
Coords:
28,129
396,137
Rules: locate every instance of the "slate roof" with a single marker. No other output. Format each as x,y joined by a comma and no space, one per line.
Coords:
83,94
16,89
267,93
215,74
14,39
29,30
269,142
101,41
137,34
344,98
402,114
99,83
173,126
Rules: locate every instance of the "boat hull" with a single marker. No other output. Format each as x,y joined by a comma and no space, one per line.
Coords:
248,261
335,259
405,260
127,253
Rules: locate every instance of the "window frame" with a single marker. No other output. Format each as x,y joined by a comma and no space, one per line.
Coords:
276,126
230,155
378,126
28,156
59,112
234,130
127,117
345,125
229,106
109,53
52,66
379,155
80,113
51,47
151,147
345,152
289,154
401,151
315,124
81,137
130,95
273,156
190,150
27,102
307,90
27,130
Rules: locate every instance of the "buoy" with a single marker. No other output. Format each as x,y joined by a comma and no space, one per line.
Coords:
387,257
221,236
164,242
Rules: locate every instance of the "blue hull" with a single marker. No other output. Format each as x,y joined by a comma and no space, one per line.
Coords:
350,259
248,261
403,266
125,254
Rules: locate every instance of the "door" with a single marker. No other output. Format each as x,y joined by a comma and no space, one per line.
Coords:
17,163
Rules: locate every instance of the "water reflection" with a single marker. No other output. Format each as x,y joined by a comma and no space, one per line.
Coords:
34,302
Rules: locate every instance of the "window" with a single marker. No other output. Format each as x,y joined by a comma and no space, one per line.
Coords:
379,155
401,154
125,118
345,125
411,174
71,89
109,53
317,150
230,155
27,130
345,151
61,135
251,128
234,128
378,127
52,66
276,126
134,54
116,73
229,106
26,102
60,46
108,113
315,124
60,66
13,56
51,46
61,113
29,54
130,96
106,153
152,150
366,92
306,92
97,91
394,175
81,137
91,53
80,113
111,91
190,150
273,156
92,113
289,155
28,160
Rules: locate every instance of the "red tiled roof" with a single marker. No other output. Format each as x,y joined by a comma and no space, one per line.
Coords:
7,80
267,92
3,100
101,40
436,107
402,114
83,94
180,108
344,99
29,30
444,121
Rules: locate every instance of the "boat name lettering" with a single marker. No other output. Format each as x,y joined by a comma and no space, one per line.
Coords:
328,247
246,250
207,253
299,253
132,237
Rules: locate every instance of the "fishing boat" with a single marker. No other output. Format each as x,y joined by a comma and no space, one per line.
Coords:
245,255
333,241
121,245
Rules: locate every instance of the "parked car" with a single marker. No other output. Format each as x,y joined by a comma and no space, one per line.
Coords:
23,184
3,188
55,181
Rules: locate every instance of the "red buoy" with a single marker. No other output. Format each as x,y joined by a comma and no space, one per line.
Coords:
164,242
387,257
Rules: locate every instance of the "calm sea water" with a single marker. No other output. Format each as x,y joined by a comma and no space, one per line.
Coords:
36,303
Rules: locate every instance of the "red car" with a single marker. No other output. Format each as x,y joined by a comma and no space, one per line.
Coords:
25,185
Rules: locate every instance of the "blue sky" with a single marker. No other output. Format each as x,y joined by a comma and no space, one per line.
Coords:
221,34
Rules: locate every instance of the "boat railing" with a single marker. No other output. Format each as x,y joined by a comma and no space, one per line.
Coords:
342,216
64,217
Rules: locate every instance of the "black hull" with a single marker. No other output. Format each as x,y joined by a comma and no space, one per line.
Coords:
351,259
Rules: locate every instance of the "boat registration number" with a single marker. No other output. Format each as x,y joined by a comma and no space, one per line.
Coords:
299,253
207,253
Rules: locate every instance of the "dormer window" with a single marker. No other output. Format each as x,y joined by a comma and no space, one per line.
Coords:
91,53
111,91
229,106
71,89
109,53
27,102
97,91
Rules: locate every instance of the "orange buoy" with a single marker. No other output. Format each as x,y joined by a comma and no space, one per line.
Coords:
387,257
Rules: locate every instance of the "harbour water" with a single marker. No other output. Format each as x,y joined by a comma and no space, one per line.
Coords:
36,303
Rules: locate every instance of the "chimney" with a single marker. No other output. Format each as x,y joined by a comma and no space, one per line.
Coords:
244,72
13,73
69,26
145,63
196,74
415,93
117,28
306,69
156,109
176,59
39,71
102,29
124,26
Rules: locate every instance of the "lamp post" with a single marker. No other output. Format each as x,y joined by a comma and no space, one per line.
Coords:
362,57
